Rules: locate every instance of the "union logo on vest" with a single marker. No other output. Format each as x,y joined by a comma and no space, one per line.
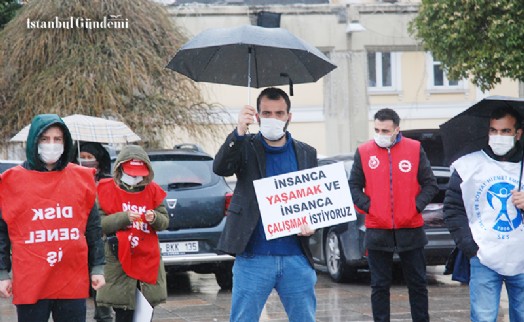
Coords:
404,166
373,162
498,197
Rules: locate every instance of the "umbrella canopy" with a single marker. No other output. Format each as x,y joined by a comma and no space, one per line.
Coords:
250,56
92,129
468,131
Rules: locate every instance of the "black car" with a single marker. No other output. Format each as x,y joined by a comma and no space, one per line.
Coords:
196,202
340,249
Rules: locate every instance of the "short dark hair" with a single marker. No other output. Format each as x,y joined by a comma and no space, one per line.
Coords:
387,114
504,111
274,94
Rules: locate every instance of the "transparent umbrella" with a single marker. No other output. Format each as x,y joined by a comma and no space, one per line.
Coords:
91,129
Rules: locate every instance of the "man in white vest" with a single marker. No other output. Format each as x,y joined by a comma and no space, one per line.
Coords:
486,223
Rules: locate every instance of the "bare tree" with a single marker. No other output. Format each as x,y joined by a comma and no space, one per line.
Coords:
117,73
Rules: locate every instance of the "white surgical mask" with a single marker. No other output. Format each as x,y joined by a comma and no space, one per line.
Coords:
130,180
50,152
271,128
501,144
384,141
88,163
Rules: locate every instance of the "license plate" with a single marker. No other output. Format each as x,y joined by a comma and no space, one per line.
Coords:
176,248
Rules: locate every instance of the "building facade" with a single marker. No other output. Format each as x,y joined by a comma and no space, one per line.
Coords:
379,64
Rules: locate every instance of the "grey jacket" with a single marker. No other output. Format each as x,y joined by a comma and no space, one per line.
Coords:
246,158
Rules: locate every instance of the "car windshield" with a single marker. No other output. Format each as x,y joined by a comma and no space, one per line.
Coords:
183,173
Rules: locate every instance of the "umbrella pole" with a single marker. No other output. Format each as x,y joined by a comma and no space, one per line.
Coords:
78,148
249,76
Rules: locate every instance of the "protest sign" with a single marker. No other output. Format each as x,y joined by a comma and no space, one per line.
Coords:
318,197
143,310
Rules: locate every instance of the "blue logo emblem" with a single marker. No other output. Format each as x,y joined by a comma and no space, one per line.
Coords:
498,197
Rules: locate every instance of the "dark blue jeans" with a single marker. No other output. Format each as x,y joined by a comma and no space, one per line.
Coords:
414,270
62,310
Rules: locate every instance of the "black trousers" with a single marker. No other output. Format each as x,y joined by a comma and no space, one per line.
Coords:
414,270
123,315
61,310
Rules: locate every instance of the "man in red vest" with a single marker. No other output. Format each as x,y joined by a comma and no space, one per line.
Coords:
392,182
51,226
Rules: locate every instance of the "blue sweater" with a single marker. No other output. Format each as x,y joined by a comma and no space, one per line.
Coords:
279,160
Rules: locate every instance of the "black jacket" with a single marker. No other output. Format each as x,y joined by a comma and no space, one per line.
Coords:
394,239
455,214
246,158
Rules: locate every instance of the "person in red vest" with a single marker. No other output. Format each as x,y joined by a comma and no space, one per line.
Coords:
52,227
132,211
94,155
391,181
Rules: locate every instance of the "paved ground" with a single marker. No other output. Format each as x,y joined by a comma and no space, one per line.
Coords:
197,298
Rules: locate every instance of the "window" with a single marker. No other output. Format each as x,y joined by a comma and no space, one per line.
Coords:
383,71
437,77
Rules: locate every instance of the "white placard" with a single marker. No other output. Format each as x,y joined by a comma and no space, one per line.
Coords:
143,310
318,197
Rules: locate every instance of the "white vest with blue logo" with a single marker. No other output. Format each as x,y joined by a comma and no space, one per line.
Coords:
496,224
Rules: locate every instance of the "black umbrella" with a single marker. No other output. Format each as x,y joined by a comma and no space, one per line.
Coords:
250,56
468,131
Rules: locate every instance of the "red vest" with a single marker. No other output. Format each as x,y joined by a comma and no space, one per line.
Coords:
392,184
138,249
46,214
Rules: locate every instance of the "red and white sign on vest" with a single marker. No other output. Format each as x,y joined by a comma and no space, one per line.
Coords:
46,214
138,248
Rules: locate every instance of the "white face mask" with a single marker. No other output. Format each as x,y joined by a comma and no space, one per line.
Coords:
501,144
131,181
272,129
384,141
50,152
88,163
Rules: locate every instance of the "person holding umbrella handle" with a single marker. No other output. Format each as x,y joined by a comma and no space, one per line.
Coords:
482,210
261,265
246,117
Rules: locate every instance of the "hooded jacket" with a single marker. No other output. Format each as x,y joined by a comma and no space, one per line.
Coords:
93,232
39,125
119,291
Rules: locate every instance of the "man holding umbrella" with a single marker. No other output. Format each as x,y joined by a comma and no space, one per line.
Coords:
482,210
261,265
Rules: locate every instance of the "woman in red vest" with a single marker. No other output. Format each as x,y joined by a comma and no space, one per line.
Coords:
94,155
132,210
